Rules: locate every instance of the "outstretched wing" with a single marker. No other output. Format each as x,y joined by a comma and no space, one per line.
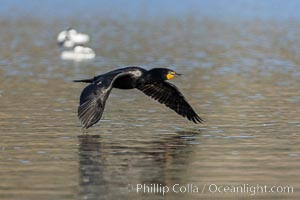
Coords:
168,94
92,103
93,98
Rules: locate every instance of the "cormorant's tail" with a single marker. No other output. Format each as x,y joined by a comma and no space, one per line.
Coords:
84,80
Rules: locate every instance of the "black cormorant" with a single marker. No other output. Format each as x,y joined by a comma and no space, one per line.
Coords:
151,82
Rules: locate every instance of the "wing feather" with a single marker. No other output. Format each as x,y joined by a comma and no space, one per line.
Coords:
92,103
93,99
168,94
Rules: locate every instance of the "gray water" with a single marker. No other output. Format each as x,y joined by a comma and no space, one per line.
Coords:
242,78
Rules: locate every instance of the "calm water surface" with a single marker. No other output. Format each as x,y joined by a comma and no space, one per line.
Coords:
242,78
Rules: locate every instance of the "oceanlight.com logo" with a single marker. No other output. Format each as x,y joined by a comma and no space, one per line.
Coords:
246,189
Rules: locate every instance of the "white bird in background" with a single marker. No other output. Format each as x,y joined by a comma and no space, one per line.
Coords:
78,53
70,38
72,41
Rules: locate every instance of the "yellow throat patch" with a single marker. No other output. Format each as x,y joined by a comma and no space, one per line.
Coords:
170,75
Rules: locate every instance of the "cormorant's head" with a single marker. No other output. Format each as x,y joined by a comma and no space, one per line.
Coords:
163,73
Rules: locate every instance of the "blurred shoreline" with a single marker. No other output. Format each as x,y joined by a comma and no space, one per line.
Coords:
229,10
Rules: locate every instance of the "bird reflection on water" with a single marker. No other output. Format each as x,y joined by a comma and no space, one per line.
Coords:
104,164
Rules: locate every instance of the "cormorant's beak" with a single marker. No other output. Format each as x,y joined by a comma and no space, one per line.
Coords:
177,74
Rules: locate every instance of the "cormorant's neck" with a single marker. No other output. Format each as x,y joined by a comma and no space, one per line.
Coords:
153,76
